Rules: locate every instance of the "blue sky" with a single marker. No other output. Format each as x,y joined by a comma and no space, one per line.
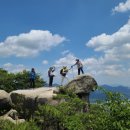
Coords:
43,33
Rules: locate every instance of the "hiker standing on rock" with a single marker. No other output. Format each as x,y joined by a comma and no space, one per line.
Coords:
79,66
63,73
51,75
32,77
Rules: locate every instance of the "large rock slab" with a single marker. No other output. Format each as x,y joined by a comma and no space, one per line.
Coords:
30,98
5,101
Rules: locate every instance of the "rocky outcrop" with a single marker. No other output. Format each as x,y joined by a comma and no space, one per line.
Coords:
5,101
30,98
12,116
82,85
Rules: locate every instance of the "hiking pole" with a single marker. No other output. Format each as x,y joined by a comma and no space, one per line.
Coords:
72,72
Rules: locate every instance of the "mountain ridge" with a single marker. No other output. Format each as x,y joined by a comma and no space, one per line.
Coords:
99,95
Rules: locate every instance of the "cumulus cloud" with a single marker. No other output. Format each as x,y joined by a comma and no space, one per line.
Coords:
14,68
106,72
30,44
92,65
116,46
122,7
67,60
98,67
115,49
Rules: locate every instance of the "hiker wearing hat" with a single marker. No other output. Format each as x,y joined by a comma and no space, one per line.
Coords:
51,75
63,73
79,66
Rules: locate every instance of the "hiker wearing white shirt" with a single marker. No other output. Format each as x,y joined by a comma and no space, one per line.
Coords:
51,75
79,66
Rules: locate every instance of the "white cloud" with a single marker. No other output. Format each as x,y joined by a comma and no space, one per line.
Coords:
44,62
122,7
113,66
30,44
115,46
14,68
100,67
67,60
106,72
92,66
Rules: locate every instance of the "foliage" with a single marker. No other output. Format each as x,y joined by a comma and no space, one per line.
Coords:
113,114
7,125
63,116
13,81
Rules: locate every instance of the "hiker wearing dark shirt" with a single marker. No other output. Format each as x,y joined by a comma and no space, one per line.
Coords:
32,77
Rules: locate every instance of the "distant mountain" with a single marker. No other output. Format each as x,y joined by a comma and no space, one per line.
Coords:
98,95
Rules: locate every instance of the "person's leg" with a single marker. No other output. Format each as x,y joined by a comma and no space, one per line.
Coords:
78,71
51,80
30,83
33,83
82,70
67,78
62,79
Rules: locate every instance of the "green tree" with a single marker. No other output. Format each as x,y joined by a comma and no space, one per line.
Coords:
13,81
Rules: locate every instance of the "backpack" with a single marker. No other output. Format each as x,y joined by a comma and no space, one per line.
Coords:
61,71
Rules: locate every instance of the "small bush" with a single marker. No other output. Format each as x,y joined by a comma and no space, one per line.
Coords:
7,125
